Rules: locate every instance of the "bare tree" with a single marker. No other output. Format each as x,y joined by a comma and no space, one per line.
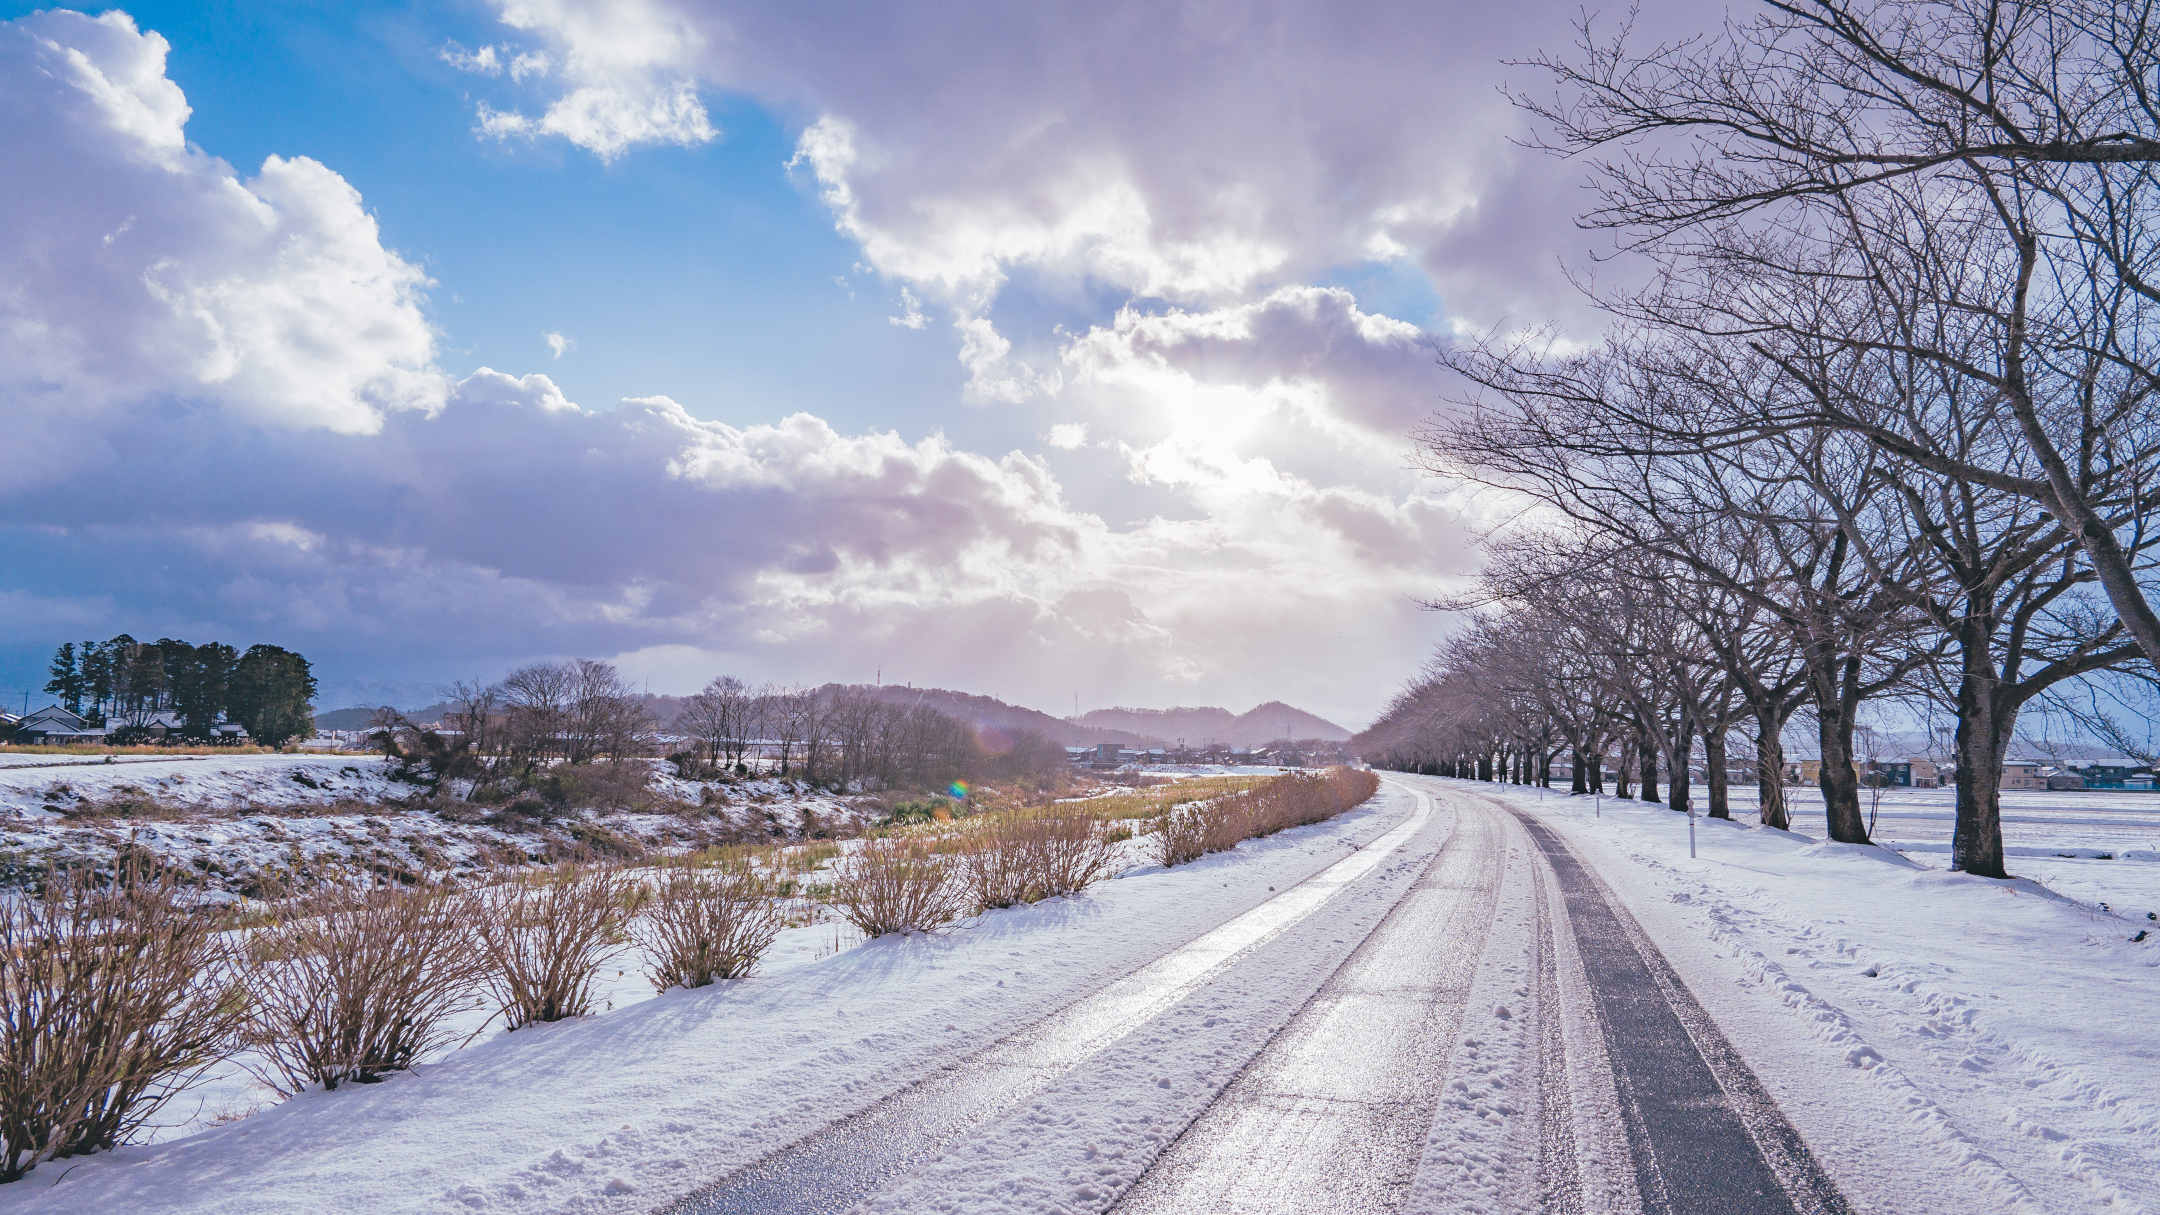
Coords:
2034,119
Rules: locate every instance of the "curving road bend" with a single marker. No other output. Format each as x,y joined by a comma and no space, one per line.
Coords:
1457,1017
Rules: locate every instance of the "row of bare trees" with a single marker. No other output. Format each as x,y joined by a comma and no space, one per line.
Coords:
582,711
1880,419
845,735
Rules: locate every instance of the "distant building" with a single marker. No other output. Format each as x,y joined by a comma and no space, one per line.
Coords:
1888,774
55,725
2060,780
2115,776
1809,772
2024,774
1911,772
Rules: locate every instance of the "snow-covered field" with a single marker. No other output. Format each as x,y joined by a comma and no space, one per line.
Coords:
1989,1043
628,1108
2098,846
58,785
241,822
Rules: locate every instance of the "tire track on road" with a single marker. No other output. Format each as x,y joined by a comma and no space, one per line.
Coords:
1332,1114
834,1168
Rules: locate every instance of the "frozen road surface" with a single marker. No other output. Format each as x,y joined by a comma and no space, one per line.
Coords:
1456,1017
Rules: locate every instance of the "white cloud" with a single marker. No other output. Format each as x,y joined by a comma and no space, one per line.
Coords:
607,120
1067,436
557,344
487,61
139,267
911,313
1184,150
625,68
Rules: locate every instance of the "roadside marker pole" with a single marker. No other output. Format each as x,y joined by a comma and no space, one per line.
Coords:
1691,829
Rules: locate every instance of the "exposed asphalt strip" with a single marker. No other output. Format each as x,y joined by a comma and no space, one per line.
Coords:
1705,1136
832,1169
1332,1114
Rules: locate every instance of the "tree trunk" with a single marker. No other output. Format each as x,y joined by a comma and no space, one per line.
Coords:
1770,767
1983,733
1676,761
1646,751
1840,782
1715,779
1624,771
1580,783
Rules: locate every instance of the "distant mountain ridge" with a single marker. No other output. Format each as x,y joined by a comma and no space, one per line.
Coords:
988,711
1195,726
1203,726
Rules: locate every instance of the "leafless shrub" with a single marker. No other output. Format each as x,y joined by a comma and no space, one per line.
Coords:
1068,851
112,1000
895,884
623,784
1015,857
995,865
1181,833
544,936
354,983
701,925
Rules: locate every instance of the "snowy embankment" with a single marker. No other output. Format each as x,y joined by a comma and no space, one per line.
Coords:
56,787
626,1109
1993,1037
241,824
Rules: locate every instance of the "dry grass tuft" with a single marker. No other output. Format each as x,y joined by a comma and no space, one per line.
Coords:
896,884
1188,832
544,936
703,925
112,1000
353,983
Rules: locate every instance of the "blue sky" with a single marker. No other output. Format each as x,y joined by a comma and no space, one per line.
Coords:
1067,350
705,273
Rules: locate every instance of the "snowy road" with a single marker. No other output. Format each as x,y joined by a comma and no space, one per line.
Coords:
1454,1018
1391,1011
